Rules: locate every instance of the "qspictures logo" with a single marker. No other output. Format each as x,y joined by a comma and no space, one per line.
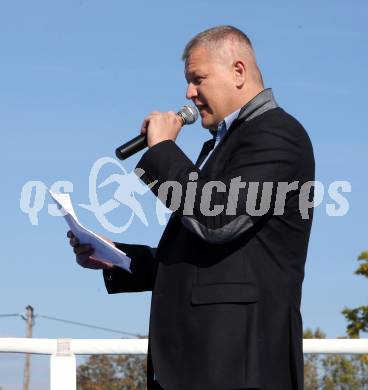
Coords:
258,200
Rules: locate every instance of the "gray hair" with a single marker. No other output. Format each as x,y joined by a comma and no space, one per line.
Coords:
213,36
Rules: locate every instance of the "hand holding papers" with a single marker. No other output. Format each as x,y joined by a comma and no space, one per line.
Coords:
103,249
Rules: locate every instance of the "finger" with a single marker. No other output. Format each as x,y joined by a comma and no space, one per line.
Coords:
176,117
147,119
100,263
93,263
145,125
83,250
74,241
70,234
83,260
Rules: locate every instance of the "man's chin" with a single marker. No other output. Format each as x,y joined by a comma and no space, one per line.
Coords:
206,124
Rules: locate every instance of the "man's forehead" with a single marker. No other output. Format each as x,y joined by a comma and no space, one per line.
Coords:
198,57
198,53
202,57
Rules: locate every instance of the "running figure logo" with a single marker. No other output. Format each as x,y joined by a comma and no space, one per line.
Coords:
128,186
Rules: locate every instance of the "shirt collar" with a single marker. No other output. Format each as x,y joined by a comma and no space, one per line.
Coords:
224,125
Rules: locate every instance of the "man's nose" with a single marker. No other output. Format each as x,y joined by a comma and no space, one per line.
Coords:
191,91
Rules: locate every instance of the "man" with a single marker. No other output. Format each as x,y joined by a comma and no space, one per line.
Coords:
226,276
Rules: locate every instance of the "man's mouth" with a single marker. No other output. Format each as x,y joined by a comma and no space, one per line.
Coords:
202,108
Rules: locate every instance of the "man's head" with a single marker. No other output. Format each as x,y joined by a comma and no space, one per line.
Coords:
222,73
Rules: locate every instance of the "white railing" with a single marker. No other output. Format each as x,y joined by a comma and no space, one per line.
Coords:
63,351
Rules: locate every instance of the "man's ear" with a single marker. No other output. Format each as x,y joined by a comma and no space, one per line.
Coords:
239,73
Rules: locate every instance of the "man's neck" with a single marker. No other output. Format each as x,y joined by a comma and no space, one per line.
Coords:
244,99
250,95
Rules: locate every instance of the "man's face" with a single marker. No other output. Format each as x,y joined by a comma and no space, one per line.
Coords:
211,86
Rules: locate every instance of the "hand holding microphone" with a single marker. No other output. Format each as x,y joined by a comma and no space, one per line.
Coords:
158,127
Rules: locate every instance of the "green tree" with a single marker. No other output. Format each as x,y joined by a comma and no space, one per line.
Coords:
340,373
112,372
358,323
333,372
358,318
312,362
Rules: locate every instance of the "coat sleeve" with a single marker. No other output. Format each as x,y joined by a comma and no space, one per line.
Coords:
143,267
222,208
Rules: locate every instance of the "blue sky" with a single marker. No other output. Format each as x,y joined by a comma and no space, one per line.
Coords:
77,79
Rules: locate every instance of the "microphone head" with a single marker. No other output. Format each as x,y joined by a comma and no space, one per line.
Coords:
188,114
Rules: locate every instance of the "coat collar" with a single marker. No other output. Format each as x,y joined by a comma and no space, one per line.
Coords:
261,103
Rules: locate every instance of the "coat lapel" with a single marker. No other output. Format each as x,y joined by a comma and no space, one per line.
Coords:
206,148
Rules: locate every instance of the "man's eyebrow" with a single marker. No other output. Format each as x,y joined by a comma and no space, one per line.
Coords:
189,74
194,74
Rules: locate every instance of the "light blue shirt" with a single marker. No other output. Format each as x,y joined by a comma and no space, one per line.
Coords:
222,128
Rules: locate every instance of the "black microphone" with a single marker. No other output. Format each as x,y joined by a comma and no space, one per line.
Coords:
188,115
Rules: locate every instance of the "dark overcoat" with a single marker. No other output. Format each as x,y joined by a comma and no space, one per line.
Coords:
226,281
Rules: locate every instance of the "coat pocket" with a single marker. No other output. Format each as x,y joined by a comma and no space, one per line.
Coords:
224,293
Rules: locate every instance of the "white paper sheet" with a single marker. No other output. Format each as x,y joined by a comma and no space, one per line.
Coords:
103,249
